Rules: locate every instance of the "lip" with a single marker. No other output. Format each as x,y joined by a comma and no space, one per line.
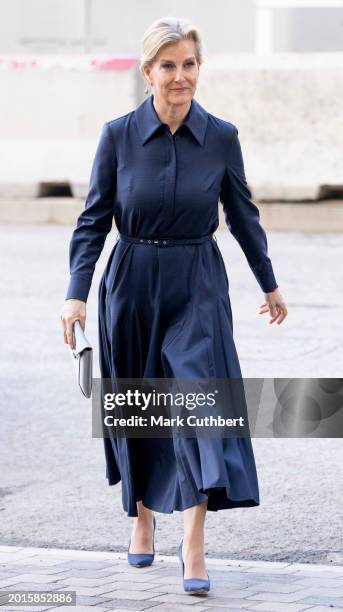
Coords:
180,89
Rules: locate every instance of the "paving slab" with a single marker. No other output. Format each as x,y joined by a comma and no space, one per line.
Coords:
159,587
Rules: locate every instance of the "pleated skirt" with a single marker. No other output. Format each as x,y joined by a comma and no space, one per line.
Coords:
166,312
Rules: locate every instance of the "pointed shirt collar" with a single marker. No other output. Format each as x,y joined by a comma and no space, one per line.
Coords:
148,121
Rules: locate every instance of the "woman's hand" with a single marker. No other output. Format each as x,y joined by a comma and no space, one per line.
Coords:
71,311
275,305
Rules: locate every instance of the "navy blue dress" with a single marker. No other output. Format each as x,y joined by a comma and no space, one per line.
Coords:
164,306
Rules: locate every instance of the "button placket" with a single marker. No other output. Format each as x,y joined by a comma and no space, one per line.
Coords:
170,173
174,159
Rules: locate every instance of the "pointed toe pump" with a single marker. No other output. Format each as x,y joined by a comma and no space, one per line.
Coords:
193,586
142,559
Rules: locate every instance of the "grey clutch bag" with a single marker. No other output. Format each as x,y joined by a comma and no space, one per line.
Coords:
82,356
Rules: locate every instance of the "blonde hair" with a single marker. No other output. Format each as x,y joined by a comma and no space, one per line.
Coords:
167,30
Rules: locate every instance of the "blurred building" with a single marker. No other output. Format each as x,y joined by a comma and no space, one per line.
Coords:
272,67
114,26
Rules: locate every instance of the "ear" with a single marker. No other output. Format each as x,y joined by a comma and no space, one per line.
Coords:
146,70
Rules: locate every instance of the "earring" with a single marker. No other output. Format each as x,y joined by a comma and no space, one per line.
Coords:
148,87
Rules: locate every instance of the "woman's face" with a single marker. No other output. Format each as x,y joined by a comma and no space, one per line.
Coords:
174,73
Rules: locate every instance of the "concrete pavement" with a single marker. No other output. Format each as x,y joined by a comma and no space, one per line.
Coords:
53,490
104,581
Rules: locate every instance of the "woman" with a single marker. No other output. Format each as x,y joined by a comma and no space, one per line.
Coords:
164,308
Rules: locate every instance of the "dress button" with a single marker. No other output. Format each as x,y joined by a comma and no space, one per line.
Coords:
149,241
141,240
164,242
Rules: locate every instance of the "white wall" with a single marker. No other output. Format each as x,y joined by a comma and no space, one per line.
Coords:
287,108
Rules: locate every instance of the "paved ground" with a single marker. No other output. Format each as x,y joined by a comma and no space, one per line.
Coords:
53,490
104,581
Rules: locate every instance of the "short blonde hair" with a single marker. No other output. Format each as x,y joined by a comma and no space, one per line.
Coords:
167,30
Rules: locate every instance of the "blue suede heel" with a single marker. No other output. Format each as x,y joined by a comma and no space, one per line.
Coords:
193,586
142,559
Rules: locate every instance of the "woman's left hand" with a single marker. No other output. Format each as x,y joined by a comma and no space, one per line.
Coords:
275,305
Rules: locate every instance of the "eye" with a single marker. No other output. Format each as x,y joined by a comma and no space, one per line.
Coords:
168,65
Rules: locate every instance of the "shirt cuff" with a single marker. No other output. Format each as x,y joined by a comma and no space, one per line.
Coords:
265,276
78,288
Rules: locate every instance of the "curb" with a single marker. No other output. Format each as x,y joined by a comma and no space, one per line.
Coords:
90,555
325,216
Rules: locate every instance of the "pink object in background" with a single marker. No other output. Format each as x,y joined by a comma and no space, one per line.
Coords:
67,62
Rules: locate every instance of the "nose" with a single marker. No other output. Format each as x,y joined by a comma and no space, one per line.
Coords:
179,74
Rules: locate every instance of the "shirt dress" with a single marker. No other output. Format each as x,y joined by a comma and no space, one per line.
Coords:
164,305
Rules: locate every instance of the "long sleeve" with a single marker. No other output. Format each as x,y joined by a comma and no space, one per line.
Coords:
242,216
95,221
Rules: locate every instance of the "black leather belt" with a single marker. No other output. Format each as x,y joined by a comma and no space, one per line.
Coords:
166,241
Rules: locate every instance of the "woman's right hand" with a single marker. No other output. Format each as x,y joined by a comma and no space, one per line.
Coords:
71,311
